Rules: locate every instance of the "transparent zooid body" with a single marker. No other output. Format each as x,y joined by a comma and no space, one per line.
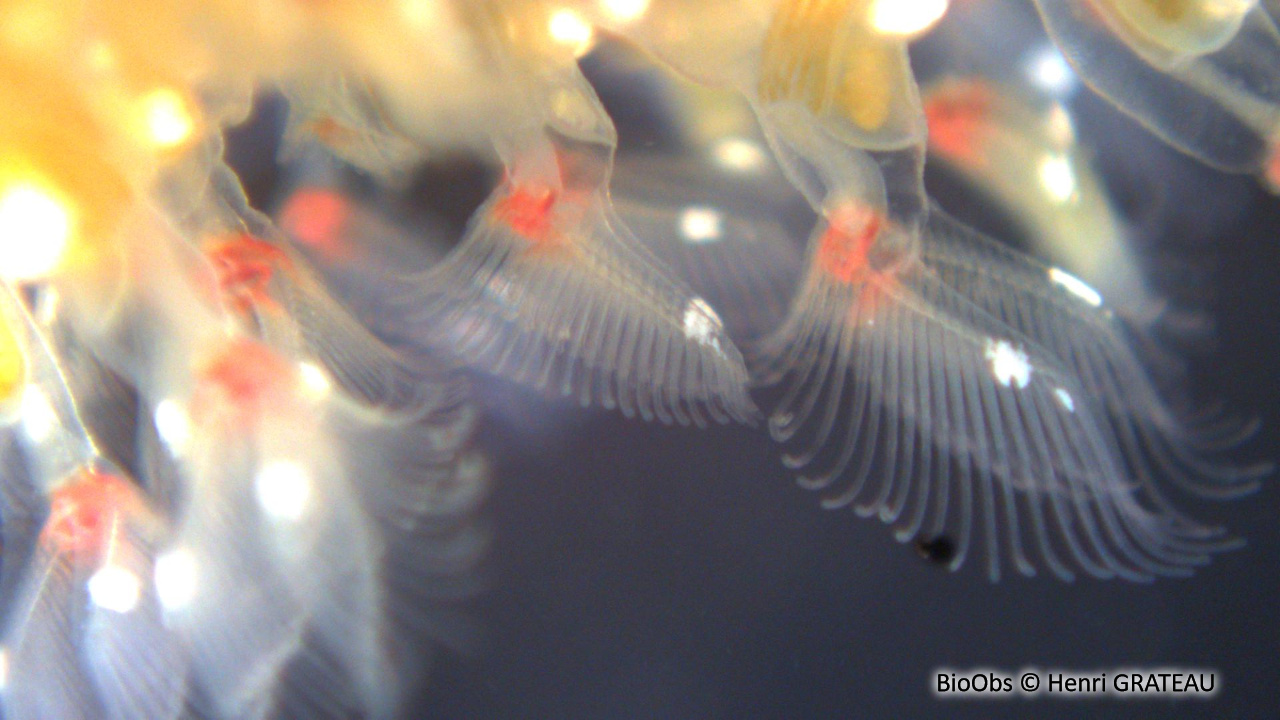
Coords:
546,287
1201,74
314,496
951,388
1026,155
325,486
550,289
87,628
726,230
315,530
82,629
969,382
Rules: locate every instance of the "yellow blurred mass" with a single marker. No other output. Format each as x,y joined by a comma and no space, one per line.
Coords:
13,366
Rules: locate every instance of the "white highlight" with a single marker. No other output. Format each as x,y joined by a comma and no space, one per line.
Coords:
624,11
1065,399
738,155
700,224
4,667
38,417
701,323
173,425
168,121
35,228
284,489
1058,178
567,27
1050,72
1009,365
906,17
1075,286
116,589
175,576
315,381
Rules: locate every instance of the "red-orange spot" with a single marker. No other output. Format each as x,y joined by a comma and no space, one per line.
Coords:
240,383
243,266
317,218
846,243
959,115
527,211
84,514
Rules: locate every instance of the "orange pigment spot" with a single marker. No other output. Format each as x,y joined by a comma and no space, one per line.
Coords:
527,211
844,247
243,266
317,218
331,132
958,116
84,514
240,384
1271,173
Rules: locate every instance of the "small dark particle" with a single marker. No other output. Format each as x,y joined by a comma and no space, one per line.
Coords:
940,549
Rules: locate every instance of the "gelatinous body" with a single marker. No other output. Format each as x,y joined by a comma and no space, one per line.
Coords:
957,390
238,474
1166,31
726,230
1200,74
550,292
1025,155
906,346
277,470
830,57
88,631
